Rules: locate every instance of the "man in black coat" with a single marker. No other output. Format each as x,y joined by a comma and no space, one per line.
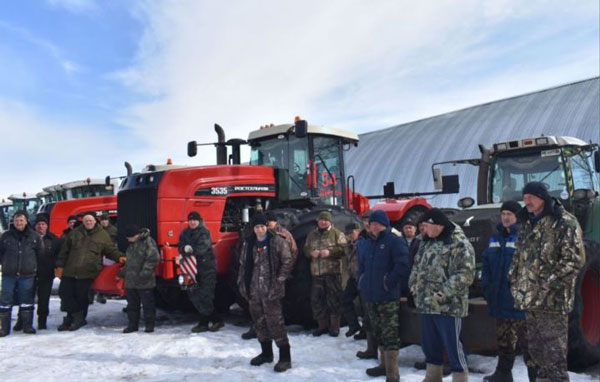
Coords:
19,249
46,265
200,272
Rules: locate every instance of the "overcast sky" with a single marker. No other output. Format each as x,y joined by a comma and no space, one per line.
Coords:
88,84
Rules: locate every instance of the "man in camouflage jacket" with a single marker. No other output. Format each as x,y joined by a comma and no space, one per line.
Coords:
265,263
544,270
325,247
138,272
443,270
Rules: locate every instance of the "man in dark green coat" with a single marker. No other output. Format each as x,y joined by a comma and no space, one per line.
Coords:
142,258
78,263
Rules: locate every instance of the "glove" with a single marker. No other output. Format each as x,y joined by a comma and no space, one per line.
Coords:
188,249
122,260
58,272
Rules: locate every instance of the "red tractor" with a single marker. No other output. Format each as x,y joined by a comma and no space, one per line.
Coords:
295,170
76,198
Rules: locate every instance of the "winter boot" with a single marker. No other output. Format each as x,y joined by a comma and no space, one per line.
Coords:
371,352
285,359
42,322
433,373
379,370
392,374
27,318
266,354
532,373
503,371
67,321
217,322
353,324
250,334
202,325
133,317
5,323
334,326
323,327
19,324
149,323
460,377
78,321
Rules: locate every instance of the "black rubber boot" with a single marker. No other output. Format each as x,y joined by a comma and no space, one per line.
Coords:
27,318
266,354
217,322
285,359
42,322
67,321
371,351
5,323
353,324
202,325
334,326
19,324
149,323
78,321
133,317
532,374
503,371
362,335
323,327
250,334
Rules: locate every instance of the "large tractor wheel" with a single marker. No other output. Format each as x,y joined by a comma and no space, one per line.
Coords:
584,320
170,297
296,304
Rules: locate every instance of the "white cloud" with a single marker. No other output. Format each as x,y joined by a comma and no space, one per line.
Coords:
348,63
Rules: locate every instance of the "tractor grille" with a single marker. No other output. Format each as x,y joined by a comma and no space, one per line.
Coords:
136,206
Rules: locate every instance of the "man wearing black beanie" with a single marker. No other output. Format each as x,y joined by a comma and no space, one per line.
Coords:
548,257
443,270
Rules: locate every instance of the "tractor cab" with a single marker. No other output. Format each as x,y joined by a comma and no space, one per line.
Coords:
26,201
309,160
5,208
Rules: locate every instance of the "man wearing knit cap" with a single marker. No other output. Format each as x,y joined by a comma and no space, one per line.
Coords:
510,322
325,247
547,260
265,263
199,265
443,270
72,223
382,271
45,271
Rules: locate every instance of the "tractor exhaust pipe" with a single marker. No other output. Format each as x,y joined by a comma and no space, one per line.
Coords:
221,148
128,167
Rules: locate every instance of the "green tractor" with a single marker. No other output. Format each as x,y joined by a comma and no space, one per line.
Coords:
569,169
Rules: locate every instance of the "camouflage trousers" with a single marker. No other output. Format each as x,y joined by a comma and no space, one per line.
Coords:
325,296
385,324
267,317
511,334
548,340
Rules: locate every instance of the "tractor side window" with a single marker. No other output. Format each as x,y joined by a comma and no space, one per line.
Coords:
298,149
582,173
327,159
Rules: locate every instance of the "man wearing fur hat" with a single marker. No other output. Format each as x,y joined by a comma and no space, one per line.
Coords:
443,270
510,322
325,247
544,270
265,263
200,267
138,272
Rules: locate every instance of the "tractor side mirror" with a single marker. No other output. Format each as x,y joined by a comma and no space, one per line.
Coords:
107,181
437,178
192,149
450,184
597,160
300,128
388,190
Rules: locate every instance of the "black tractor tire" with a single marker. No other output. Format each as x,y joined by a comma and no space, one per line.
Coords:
296,304
584,320
169,296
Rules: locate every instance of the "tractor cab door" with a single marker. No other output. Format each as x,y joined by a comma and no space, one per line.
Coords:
327,164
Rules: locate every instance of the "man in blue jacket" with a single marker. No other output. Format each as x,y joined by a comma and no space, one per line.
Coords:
382,270
510,322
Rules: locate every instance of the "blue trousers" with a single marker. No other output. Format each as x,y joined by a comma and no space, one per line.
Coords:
440,332
16,288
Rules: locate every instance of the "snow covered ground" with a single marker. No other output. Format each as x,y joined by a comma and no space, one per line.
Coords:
100,352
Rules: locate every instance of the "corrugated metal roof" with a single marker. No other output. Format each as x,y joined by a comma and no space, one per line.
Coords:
404,153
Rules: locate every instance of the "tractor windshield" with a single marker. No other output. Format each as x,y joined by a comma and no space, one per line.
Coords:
284,152
88,191
511,173
31,206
